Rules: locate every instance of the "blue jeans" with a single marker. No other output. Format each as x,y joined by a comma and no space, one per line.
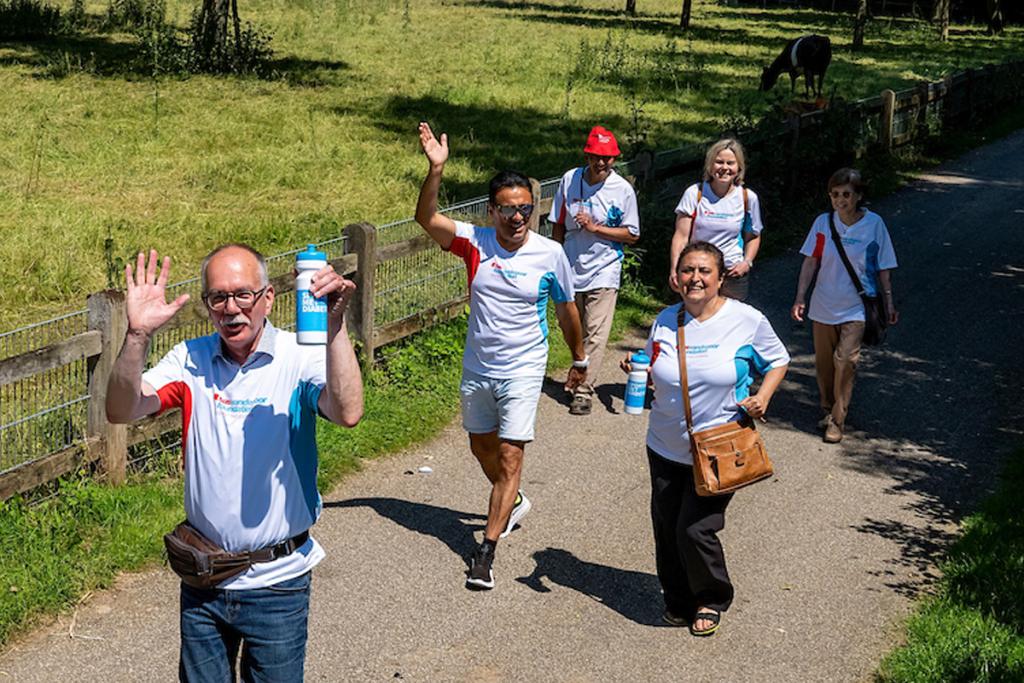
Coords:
268,623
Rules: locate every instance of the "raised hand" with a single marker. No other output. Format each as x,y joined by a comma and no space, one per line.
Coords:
436,151
327,282
146,298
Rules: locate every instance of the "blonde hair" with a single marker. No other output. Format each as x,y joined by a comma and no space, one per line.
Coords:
734,146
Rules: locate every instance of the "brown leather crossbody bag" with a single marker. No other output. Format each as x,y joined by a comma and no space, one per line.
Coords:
726,457
201,563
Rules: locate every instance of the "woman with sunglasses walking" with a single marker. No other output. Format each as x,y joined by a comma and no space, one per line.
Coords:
594,213
836,310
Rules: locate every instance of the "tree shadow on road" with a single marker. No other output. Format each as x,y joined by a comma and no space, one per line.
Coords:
634,595
934,410
451,527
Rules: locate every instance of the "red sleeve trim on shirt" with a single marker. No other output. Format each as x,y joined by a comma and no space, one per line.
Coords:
177,395
655,350
463,248
819,245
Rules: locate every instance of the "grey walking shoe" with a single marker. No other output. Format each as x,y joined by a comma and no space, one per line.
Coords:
580,405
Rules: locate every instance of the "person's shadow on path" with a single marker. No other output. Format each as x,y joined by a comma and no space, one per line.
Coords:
604,393
451,527
634,595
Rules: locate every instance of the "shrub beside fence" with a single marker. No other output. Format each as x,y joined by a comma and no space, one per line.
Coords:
53,375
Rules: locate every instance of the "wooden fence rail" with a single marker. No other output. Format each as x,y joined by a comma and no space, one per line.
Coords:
957,98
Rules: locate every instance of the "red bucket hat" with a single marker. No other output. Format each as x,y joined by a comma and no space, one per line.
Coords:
601,142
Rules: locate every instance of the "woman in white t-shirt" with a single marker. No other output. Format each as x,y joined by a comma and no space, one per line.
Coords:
723,211
836,308
727,343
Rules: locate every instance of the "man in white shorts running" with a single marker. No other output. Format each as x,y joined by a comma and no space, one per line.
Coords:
512,274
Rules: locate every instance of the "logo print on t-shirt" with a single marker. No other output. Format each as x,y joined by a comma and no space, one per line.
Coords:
508,273
237,406
613,218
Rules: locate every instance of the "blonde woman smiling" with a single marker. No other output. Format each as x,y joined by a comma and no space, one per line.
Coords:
723,211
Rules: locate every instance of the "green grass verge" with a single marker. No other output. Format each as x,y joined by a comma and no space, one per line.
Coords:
81,538
973,630
91,150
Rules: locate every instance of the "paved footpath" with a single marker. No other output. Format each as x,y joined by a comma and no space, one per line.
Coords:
826,557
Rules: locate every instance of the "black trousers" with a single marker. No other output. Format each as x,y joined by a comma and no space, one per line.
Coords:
690,559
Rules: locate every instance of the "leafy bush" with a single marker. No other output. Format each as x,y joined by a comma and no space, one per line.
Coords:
165,49
29,19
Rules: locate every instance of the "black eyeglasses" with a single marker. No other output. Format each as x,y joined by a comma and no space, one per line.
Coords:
836,194
244,299
525,210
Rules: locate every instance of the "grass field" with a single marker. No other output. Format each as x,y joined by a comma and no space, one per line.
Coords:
973,630
94,151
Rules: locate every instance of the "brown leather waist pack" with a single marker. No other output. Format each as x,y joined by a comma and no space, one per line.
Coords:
201,563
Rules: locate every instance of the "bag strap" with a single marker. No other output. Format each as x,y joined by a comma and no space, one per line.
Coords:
693,216
684,383
857,284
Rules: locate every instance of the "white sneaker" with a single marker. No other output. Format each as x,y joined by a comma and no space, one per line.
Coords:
519,511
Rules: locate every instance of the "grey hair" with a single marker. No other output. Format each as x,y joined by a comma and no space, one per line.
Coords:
264,279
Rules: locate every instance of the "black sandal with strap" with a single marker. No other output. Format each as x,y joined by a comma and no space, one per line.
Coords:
712,616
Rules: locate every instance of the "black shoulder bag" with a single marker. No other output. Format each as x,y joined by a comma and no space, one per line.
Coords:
876,318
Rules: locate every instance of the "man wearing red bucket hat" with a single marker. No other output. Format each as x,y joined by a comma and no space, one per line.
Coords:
594,214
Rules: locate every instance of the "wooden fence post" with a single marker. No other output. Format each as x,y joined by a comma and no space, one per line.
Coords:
106,314
534,222
794,122
971,94
948,113
885,123
362,240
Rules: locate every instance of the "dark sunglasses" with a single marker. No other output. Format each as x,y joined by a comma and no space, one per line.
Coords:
845,194
508,212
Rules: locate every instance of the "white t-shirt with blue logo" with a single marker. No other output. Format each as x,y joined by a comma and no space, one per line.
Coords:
721,220
596,262
508,299
249,445
722,355
868,246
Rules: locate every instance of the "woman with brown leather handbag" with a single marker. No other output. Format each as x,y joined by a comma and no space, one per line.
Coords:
727,342
850,250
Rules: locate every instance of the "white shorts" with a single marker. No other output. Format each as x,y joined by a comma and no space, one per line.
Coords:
508,406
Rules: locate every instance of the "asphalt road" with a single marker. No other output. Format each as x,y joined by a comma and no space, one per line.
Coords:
826,557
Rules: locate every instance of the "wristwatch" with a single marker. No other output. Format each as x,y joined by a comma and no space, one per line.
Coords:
582,364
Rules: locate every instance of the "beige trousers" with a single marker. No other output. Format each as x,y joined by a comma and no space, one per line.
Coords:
836,353
597,309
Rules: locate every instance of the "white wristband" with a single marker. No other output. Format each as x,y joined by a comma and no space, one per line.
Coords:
582,364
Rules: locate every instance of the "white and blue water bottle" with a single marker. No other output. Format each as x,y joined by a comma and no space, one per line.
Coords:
310,312
636,385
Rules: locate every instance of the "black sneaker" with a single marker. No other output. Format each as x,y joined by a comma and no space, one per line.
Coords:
480,576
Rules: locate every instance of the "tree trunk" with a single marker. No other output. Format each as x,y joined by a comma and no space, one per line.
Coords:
994,16
214,18
684,19
630,6
941,17
858,24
